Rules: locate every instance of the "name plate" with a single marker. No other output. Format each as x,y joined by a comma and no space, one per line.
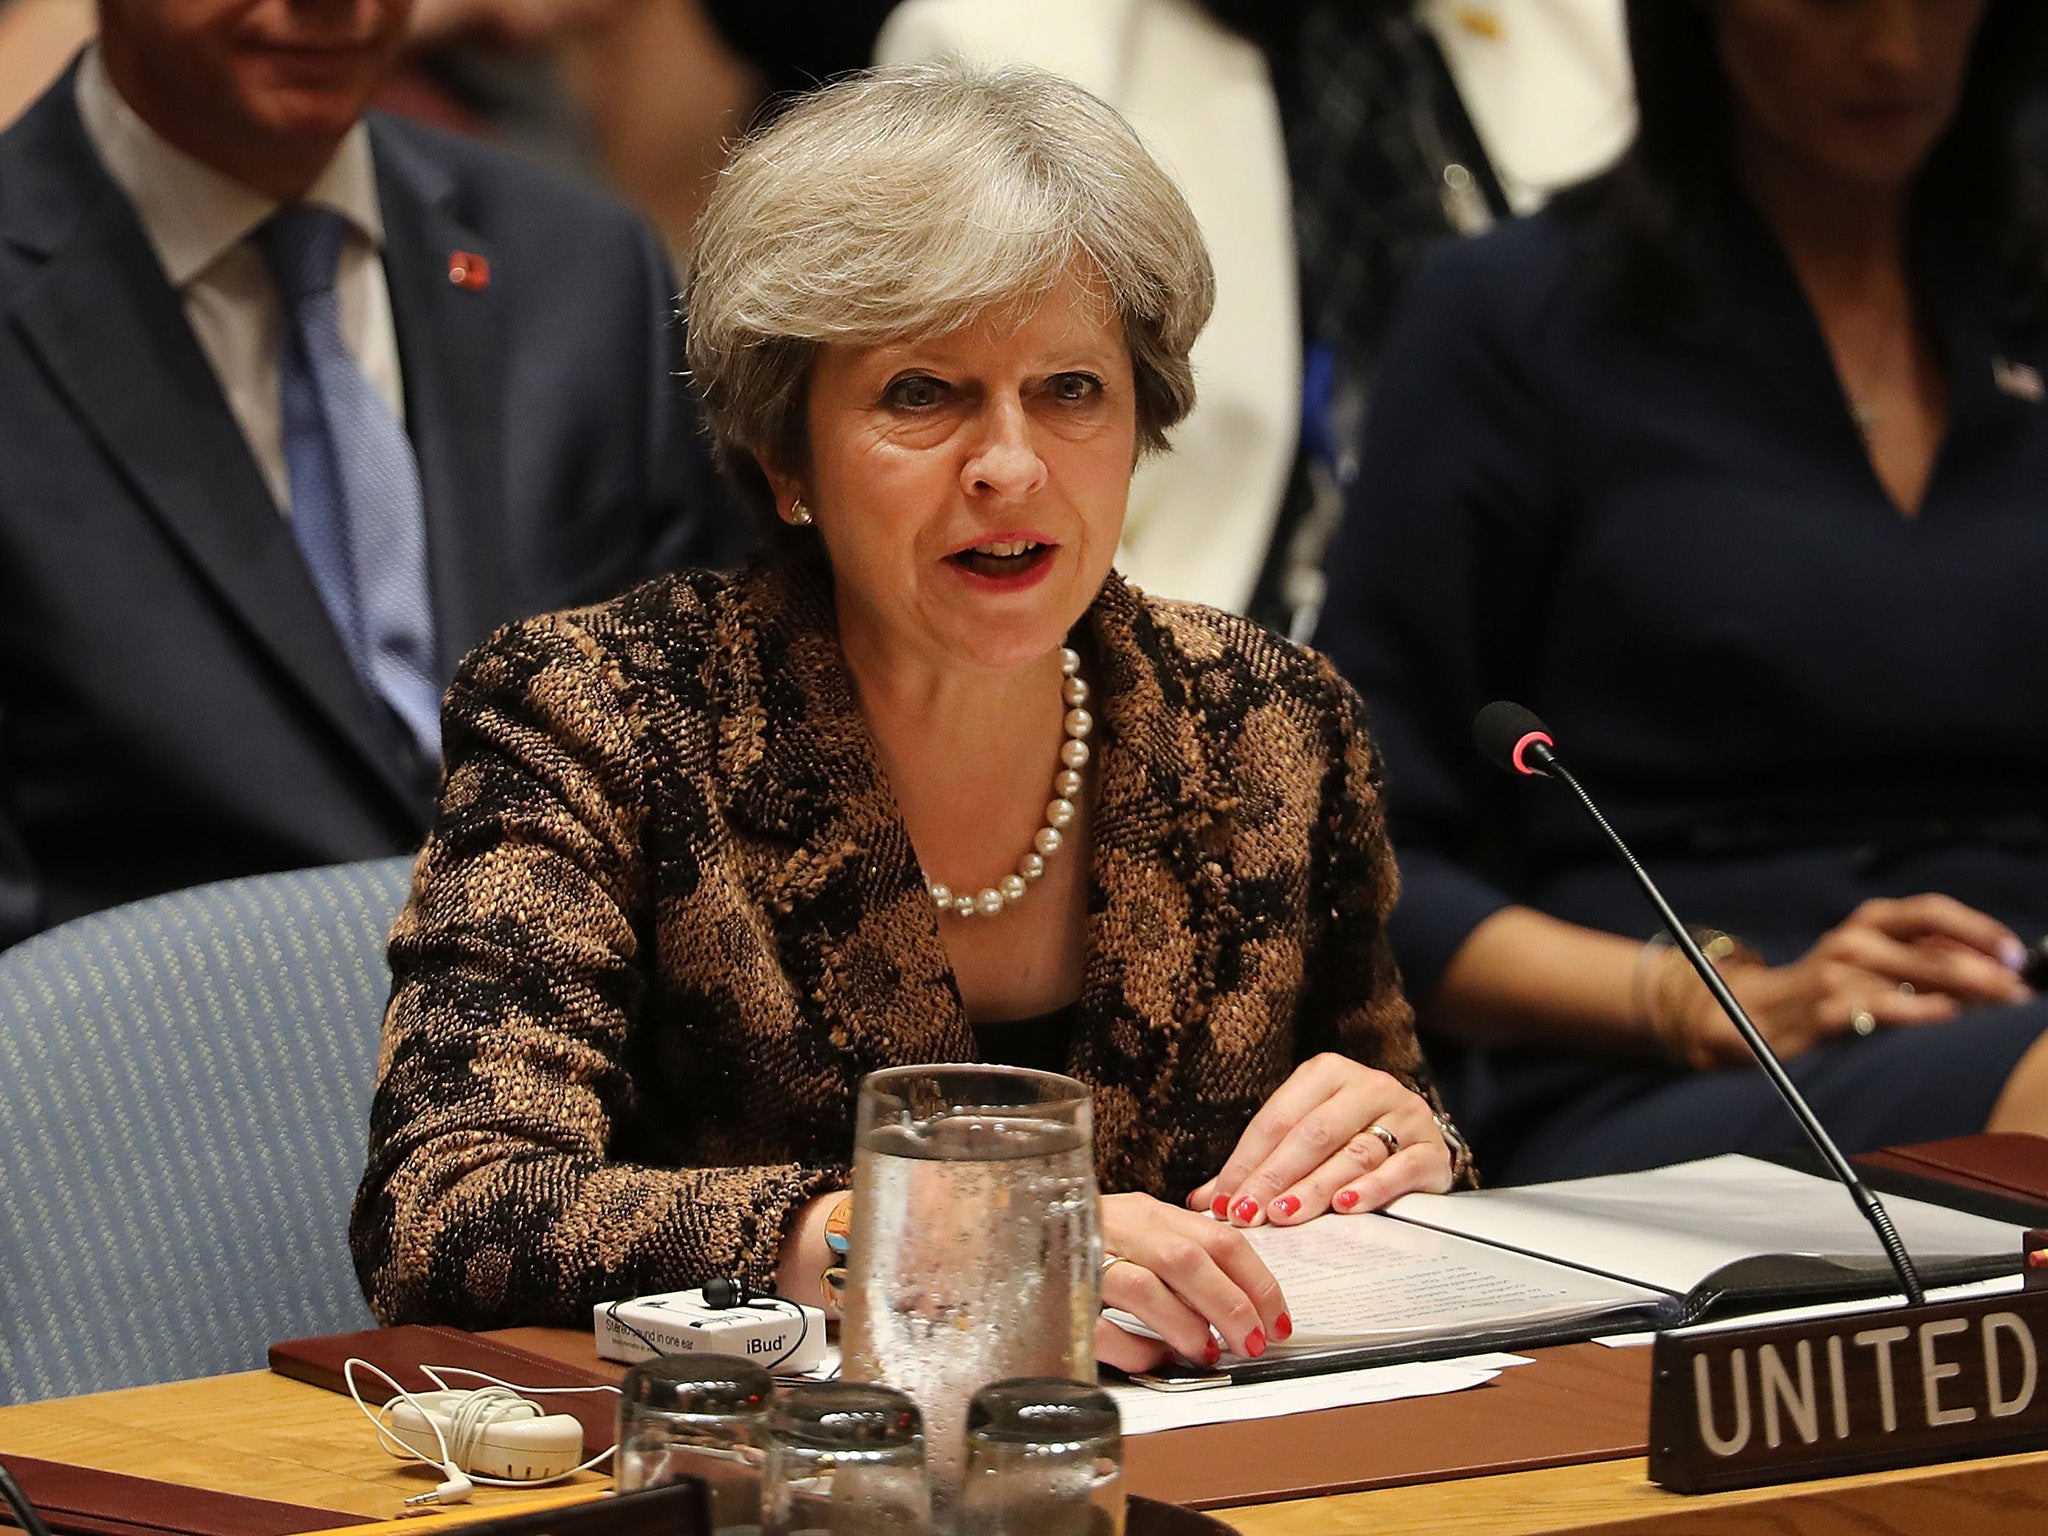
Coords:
1739,1407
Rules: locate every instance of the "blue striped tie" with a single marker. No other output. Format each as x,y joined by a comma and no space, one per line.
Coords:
355,484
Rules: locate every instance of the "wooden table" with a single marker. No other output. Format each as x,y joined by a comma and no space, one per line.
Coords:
262,1435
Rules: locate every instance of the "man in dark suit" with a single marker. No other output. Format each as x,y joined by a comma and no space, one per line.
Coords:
227,604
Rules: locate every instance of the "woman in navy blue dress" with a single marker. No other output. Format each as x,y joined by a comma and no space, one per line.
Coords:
1733,465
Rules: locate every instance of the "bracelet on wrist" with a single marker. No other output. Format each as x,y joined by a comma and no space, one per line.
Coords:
1665,991
839,1227
839,1239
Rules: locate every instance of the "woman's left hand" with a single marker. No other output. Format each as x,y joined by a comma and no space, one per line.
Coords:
1313,1148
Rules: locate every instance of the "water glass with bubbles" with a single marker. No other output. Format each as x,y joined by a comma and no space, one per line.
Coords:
975,1249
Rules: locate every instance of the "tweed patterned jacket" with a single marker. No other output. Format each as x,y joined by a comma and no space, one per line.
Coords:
669,916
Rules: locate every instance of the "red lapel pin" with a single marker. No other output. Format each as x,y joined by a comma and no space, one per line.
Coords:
468,270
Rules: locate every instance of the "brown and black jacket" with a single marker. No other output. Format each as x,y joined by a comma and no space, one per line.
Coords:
669,916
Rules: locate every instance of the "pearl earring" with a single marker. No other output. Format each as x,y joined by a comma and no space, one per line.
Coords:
799,514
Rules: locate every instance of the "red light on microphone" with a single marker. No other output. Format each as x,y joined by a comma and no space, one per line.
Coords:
1529,740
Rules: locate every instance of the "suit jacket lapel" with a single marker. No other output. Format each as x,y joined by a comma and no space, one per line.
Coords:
822,843
114,337
451,348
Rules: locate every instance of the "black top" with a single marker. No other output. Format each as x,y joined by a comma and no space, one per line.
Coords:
1674,548
1039,1043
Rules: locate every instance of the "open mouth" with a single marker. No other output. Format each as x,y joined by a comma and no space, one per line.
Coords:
1003,557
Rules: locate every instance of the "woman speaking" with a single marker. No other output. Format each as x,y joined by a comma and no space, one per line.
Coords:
927,783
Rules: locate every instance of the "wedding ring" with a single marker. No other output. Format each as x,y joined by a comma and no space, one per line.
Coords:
1393,1142
1108,1259
1862,1023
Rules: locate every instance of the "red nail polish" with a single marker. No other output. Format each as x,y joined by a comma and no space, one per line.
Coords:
1346,1198
1255,1343
1246,1210
1220,1207
1286,1206
1212,1352
1283,1328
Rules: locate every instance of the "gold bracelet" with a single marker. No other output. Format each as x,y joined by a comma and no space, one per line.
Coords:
1665,985
1641,1003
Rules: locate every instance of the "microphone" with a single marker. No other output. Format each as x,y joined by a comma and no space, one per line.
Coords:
1512,738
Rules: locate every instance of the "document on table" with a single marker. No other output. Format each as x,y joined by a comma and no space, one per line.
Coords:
1511,1268
1372,1282
1367,1279
1146,1412
1673,1227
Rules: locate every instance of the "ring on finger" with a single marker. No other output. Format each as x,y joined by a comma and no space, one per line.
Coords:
1393,1142
1862,1023
1110,1259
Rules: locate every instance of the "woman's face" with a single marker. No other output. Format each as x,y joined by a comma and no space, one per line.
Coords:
1854,91
970,489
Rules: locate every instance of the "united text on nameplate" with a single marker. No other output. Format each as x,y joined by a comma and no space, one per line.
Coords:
1738,1407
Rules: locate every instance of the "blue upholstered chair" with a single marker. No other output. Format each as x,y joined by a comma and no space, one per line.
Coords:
184,1098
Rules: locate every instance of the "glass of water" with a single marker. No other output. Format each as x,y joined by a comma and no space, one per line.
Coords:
1045,1457
845,1459
975,1252
696,1416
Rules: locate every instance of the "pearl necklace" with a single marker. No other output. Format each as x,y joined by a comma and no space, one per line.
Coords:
1059,813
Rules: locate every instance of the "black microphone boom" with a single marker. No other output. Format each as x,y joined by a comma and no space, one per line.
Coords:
1511,737
24,1512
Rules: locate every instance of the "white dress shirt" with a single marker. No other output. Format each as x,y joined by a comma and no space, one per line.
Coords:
199,220
1546,84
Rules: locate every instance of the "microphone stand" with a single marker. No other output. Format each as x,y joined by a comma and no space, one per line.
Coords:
24,1512
1539,752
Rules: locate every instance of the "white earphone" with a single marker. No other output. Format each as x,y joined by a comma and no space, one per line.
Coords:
493,1434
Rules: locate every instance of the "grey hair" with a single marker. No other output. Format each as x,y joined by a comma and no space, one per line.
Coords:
904,203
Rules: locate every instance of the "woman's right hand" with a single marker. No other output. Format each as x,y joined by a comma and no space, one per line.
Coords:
1189,1278
1917,960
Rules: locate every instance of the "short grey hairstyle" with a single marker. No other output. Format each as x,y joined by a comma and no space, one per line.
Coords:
904,203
